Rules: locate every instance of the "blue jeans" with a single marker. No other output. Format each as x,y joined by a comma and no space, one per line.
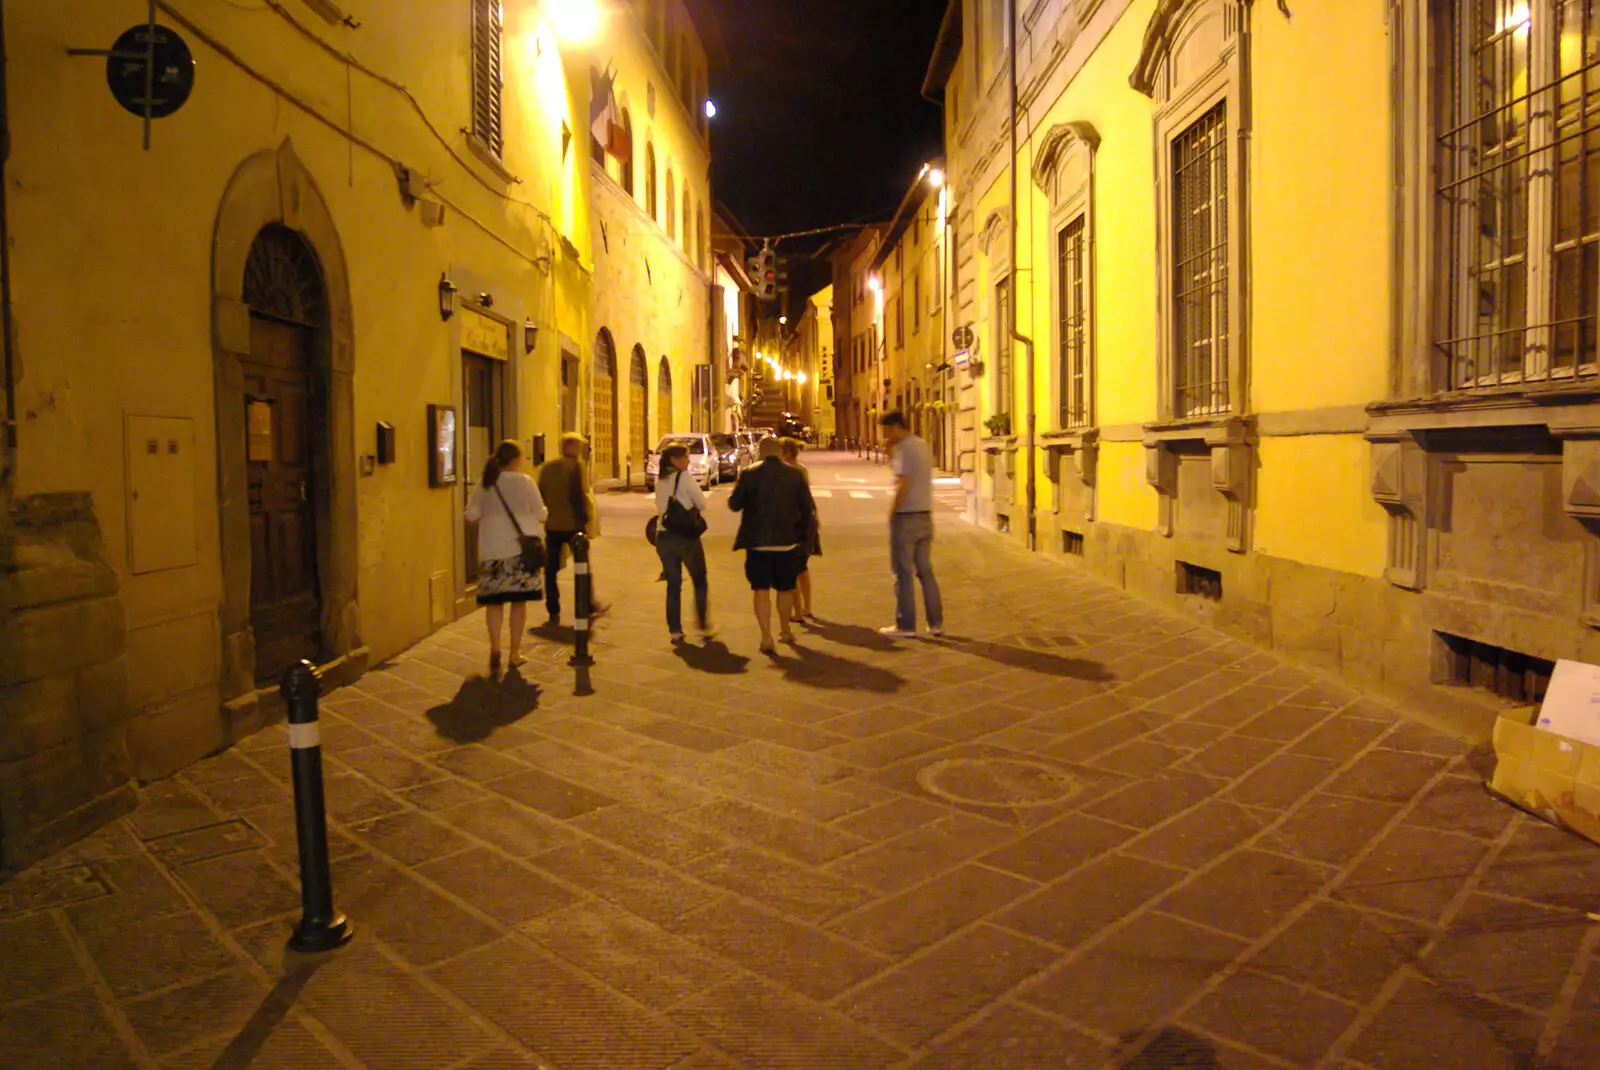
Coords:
911,552
678,552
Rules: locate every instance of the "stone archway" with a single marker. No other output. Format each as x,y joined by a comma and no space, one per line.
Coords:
273,187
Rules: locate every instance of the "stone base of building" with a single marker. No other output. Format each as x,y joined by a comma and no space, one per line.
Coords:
66,766
1364,630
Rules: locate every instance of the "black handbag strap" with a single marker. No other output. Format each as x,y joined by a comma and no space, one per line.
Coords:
499,494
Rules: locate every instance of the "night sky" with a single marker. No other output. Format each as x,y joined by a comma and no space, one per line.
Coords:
821,118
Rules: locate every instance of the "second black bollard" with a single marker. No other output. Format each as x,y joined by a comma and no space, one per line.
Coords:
320,928
583,601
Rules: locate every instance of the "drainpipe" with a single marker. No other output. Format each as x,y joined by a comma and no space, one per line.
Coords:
1016,335
8,463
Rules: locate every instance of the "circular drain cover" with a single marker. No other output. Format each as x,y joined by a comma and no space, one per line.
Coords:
1006,783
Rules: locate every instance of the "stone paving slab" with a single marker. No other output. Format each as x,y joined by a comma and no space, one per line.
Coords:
1076,832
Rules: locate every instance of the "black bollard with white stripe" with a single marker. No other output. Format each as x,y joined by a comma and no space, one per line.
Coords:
320,928
582,599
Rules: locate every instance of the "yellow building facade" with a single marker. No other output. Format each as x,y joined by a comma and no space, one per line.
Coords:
652,239
1246,343
258,366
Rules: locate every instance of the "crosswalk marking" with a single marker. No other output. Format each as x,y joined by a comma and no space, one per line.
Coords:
822,494
860,494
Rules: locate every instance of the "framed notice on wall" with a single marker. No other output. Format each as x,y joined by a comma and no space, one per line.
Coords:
441,445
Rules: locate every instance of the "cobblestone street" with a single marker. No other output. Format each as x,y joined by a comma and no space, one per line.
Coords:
1073,832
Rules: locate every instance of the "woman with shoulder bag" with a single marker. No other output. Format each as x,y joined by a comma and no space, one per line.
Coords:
680,509
510,516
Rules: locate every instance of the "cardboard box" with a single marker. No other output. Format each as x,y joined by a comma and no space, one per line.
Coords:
1571,704
1548,775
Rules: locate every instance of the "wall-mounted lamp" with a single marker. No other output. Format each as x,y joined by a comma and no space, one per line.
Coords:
486,300
530,335
447,297
874,283
711,109
935,177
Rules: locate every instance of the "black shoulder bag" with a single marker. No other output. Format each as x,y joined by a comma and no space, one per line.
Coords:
681,520
533,557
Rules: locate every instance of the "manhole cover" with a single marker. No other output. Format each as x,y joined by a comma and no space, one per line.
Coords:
1004,783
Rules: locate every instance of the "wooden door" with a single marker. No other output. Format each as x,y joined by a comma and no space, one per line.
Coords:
638,428
283,416
605,423
482,430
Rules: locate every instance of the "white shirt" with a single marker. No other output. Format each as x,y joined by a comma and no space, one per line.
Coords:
497,538
686,489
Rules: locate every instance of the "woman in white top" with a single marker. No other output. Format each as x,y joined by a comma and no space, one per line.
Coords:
678,551
506,500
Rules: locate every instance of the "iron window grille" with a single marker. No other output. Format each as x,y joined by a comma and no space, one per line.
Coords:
1002,346
1200,283
487,72
1519,192
1073,326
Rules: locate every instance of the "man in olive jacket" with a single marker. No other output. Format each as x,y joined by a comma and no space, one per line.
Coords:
564,487
775,508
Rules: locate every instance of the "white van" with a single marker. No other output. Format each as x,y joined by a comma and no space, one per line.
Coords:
702,459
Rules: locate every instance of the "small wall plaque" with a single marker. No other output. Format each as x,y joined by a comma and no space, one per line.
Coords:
441,445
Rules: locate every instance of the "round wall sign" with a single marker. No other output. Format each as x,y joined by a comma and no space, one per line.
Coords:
174,71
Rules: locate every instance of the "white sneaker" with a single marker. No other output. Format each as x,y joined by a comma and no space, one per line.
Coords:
677,637
936,632
893,632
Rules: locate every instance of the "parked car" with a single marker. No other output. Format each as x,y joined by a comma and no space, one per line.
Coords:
796,429
731,455
747,447
702,459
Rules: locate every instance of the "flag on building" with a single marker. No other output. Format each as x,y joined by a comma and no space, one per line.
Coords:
605,118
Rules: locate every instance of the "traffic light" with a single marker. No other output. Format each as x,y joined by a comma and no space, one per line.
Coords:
780,280
764,273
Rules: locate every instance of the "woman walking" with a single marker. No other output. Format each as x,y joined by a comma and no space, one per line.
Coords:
813,544
506,507
680,507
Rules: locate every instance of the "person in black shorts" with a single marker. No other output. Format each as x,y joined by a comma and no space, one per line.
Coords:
775,508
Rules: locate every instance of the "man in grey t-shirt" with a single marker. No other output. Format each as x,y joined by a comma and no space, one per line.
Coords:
911,530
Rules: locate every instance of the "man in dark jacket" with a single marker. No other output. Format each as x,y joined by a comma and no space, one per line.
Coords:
775,522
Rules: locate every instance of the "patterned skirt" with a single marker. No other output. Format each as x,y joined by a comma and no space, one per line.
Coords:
505,581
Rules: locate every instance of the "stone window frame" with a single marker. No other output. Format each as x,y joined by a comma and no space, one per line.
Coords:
1195,55
1064,171
652,194
671,217
994,240
1405,428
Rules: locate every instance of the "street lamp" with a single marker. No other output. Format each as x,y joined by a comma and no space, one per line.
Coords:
935,178
447,297
576,21
711,109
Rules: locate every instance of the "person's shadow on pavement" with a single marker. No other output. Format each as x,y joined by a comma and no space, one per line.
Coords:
482,705
855,635
813,668
1170,1049
714,658
1039,661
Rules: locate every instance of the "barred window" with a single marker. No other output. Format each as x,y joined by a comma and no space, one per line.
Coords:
1519,191
1002,346
652,207
1200,265
1073,332
487,25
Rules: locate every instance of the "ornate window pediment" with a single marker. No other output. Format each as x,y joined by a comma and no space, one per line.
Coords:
1184,40
1061,167
992,238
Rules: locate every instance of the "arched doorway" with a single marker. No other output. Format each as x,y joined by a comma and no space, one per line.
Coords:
272,191
664,398
285,391
606,431
638,407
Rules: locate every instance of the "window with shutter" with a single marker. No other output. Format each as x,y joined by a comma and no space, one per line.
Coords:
487,25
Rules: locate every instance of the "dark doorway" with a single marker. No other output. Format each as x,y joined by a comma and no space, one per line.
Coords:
483,428
286,447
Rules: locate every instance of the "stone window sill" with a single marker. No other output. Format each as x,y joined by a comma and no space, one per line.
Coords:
487,157
1073,438
1571,408
999,443
1218,430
